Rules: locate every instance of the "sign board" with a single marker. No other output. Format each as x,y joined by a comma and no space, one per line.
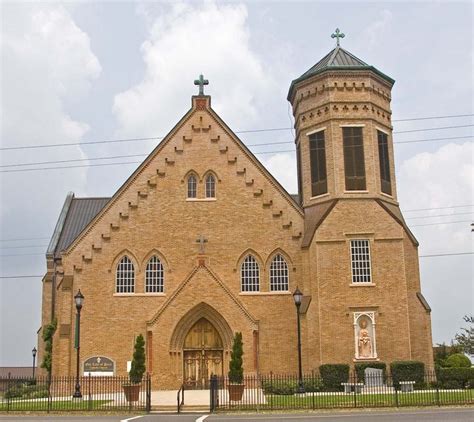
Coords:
99,366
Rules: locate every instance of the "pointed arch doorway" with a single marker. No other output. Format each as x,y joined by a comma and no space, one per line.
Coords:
203,354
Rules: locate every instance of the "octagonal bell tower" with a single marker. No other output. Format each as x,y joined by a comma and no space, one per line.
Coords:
343,128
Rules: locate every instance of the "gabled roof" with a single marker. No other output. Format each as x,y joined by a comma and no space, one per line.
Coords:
76,214
337,59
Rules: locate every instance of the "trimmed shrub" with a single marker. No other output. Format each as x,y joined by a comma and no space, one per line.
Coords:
333,375
26,390
138,362
362,366
458,360
236,370
455,378
410,370
289,387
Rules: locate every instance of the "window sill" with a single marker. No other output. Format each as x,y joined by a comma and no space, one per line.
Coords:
283,293
387,195
356,191
138,294
320,196
362,284
374,359
200,199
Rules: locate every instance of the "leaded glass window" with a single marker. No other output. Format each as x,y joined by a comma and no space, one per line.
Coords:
210,186
250,274
154,276
125,277
192,186
360,261
279,274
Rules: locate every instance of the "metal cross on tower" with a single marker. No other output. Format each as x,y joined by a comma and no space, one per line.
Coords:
201,82
337,34
201,240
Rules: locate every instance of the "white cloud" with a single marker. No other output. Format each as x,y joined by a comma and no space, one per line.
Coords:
373,34
283,167
184,42
46,61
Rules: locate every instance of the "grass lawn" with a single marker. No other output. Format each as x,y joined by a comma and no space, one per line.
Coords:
42,405
332,400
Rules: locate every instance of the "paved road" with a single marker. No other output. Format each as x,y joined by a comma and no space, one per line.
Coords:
435,415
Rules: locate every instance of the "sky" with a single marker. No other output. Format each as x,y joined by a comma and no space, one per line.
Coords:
78,72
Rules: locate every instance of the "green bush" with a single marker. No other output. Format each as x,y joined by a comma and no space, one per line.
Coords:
26,390
288,387
410,370
138,362
333,375
455,378
236,371
458,360
361,367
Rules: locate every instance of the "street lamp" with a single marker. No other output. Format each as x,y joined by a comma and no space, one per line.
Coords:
79,299
33,352
298,297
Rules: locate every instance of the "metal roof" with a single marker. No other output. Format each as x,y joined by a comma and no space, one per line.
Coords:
80,213
337,59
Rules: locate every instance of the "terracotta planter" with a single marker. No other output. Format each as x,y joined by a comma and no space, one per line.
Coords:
132,392
236,391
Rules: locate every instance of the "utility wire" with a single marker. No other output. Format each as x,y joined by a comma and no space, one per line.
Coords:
432,118
437,224
23,247
161,137
440,215
438,208
144,155
23,238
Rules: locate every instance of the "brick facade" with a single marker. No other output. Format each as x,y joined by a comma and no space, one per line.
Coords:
151,215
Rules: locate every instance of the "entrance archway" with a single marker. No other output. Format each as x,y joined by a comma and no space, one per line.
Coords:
203,353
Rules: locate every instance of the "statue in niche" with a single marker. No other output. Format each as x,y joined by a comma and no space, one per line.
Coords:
365,342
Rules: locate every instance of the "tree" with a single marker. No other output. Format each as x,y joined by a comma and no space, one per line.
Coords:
465,338
138,362
236,371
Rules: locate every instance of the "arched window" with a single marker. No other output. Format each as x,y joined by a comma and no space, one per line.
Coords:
210,186
192,186
279,274
154,276
250,274
125,278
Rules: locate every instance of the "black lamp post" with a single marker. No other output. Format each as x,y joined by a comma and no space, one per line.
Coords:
79,299
33,352
298,296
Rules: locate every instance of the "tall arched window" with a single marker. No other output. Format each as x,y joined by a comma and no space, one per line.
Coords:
192,186
210,186
250,274
279,274
154,276
125,277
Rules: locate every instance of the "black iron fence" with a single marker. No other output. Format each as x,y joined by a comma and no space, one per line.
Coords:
56,394
282,392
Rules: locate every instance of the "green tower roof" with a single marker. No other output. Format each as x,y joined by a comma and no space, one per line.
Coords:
337,59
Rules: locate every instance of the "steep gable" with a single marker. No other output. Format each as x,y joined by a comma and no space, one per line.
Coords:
200,125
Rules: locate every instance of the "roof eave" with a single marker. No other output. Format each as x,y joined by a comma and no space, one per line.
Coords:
302,78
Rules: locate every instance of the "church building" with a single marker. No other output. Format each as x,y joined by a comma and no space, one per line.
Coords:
202,242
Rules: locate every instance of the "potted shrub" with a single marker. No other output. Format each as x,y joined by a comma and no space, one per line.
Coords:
236,372
132,389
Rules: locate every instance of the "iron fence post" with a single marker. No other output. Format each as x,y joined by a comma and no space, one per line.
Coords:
355,389
148,393
437,395
8,389
396,393
89,391
49,392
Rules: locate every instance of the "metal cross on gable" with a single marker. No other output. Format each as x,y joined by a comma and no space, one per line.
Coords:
201,240
201,82
337,34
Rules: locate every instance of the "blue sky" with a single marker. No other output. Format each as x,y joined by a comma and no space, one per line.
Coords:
83,71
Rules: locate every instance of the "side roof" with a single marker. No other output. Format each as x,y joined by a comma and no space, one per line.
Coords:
337,59
76,214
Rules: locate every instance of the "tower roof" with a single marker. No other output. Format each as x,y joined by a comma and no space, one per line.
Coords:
337,59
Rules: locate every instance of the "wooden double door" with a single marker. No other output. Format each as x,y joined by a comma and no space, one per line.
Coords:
202,355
